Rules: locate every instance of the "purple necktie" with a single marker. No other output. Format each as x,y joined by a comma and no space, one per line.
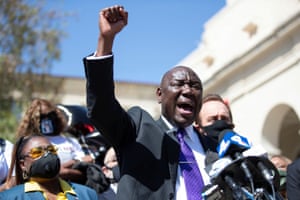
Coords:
189,169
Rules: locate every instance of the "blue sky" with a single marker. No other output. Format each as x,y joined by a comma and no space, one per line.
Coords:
159,34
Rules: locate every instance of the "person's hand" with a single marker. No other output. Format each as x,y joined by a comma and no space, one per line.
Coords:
87,158
111,21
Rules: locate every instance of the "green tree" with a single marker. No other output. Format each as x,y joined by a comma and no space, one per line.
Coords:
29,43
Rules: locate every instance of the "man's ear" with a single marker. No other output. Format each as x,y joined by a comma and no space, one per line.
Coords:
199,128
158,95
196,125
104,169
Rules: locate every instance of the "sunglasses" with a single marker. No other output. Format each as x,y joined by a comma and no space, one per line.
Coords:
38,152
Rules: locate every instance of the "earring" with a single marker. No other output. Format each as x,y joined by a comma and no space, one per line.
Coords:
25,175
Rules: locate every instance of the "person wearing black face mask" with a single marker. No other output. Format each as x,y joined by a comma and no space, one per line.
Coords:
214,117
37,173
216,127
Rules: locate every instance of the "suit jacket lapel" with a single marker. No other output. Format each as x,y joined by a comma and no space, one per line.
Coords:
171,150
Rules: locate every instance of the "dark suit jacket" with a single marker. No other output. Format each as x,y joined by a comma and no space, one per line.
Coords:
293,180
148,153
17,193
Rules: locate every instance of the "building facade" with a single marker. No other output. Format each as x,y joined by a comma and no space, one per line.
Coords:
250,53
73,92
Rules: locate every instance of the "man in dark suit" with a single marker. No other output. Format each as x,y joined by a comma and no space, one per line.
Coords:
293,180
147,150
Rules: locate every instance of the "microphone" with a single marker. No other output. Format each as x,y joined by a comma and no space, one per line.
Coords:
242,170
210,157
212,192
234,144
265,172
237,192
215,168
231,143
214,165
255,150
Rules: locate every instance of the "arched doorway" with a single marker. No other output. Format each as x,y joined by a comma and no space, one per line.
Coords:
289,138
281,130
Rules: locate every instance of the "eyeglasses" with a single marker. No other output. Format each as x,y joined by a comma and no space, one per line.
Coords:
38,152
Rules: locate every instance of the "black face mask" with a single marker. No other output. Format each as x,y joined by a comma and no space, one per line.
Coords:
214,130
116,174
47,166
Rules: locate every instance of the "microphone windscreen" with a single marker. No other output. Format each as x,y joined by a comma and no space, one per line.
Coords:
231,143
214,169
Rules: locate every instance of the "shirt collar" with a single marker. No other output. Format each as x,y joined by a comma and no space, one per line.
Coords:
32,186
189,129
66,187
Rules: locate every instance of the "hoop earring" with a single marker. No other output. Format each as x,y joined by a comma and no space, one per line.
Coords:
25,175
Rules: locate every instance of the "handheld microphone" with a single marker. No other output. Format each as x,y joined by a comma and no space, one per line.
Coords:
231,143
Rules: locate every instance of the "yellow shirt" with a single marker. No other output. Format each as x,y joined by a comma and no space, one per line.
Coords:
32,186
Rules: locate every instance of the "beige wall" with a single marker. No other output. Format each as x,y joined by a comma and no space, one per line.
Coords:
129,94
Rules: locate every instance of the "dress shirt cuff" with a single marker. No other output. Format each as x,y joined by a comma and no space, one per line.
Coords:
94,57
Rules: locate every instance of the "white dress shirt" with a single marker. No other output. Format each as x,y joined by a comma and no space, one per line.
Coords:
194,143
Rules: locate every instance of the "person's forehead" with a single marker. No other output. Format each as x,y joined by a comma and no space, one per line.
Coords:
110,154
214,108
45,108
36,142
183,73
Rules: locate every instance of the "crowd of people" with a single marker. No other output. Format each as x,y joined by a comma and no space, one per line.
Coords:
147,158
63,163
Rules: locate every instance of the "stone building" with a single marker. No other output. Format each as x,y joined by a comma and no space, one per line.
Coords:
250,53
